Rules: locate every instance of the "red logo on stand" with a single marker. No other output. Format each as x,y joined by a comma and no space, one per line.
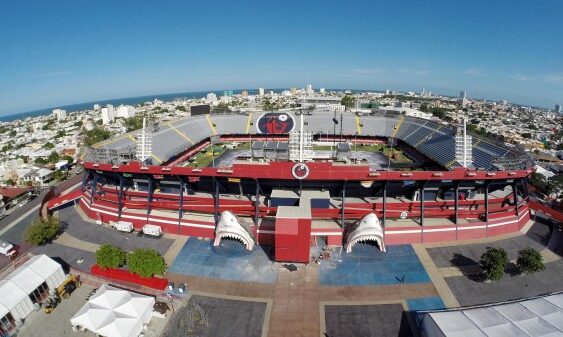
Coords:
300,171
275,123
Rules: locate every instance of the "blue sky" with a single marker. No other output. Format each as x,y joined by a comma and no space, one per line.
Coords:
55,52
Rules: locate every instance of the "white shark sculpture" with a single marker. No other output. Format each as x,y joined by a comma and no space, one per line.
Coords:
366,229
230,227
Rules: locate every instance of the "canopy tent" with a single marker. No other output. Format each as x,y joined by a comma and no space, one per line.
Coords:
19,284
541,316
113,312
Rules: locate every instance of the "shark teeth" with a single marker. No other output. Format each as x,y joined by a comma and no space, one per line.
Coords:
229,227
367,229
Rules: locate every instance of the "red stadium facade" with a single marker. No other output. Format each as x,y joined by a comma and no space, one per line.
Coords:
292,205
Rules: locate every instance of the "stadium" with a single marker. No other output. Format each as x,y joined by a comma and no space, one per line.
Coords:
295,179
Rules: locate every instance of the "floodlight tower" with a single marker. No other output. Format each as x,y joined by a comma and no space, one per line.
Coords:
144,144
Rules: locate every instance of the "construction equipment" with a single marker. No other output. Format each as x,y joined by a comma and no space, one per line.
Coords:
51,302
68,286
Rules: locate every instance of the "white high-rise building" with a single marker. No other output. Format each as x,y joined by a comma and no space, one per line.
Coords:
97,107
463,98
260,91
211,98
108,114
60,114
309,89
322,90
126,111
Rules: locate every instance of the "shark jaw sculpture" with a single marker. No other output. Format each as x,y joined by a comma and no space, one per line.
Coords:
366,229
230,227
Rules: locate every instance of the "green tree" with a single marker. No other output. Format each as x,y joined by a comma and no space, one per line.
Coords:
53,157
133,123
12,133
181,108
493,262
348,101
538,181
555,185
108,256
530,261
97,135
42,231
68,158
526,135
146,262
49,146
9,182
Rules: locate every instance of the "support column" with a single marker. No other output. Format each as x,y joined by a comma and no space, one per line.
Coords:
342,205
384,222
120,196
181,203
456,207
486,208
257,204
85,178
94,185
151,188
515,195
422,211
215,200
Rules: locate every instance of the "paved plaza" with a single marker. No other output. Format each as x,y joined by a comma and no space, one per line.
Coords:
363,293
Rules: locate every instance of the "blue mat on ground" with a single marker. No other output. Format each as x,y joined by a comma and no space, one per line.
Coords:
229,261
425,303
366,265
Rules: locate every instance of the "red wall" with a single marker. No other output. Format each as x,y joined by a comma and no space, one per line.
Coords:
293,239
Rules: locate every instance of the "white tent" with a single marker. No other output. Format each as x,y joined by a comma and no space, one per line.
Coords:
19,284
113,312
541,316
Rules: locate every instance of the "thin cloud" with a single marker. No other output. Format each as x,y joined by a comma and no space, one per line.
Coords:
520,77
51,74
368,71
554,78
379,71
474,72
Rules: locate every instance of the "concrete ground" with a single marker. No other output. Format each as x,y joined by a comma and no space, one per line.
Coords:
57,323
458,265
375,320
13,226
460,255
471,291
89,232
226,317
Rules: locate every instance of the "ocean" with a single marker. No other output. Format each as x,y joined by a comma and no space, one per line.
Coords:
134,101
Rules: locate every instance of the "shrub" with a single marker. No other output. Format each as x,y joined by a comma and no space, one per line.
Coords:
493,262
146,262
530,261
108,256
42,231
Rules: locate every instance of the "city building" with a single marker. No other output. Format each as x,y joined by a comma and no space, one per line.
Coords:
309,89
108,114
260,91
97,107
322,103
125,111
60,114
557,108
211,98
